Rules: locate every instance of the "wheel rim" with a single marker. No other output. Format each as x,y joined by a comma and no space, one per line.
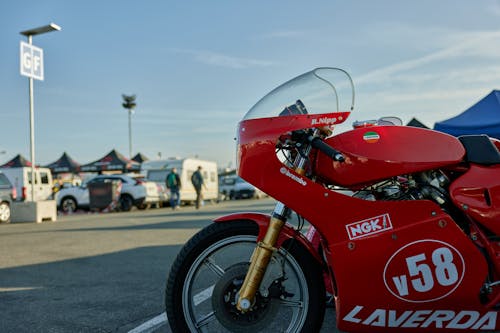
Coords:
209,267
4,212
69,205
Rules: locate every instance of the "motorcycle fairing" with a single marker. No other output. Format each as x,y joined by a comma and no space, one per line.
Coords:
380,152
332,213
262,221
477,193
401,251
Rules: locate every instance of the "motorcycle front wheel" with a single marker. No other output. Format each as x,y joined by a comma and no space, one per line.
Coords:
203,284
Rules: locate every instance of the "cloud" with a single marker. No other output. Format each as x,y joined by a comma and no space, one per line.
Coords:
435,86
478,44
442,96
223,60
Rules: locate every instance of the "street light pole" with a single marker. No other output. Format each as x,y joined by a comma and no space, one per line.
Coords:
32,131
129,133
29,34
129,104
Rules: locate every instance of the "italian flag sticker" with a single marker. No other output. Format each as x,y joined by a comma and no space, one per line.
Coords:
371,137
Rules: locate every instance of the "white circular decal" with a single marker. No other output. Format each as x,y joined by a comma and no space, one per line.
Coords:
424,271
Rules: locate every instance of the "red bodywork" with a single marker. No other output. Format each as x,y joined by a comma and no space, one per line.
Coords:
477,192
380,152
398,265
262,221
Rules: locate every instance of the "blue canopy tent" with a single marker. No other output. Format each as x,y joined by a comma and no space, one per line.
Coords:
481,118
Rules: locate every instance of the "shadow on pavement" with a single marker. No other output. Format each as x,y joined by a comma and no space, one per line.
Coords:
90,294
186,218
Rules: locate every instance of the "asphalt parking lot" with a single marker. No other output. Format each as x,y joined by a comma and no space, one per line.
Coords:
98,272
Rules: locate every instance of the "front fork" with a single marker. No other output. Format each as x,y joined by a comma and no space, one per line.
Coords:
261,257
265,249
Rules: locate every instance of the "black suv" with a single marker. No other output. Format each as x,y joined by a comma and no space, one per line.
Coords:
7,194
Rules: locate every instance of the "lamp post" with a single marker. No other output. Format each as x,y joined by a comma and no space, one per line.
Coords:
129,104
29,34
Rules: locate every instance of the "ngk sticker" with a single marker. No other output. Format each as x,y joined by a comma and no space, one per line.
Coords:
424,271
369,226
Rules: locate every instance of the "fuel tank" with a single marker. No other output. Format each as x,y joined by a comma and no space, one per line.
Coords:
380,152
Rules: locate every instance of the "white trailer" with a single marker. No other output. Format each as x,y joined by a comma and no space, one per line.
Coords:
158,170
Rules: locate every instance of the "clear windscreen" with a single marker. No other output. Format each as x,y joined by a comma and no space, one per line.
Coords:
322,90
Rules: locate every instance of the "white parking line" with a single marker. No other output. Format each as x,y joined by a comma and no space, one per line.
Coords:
151,324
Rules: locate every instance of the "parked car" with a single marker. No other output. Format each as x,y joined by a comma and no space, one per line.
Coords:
234,187
164,193
134,192
8,193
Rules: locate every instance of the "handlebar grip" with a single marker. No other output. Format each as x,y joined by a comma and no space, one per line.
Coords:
327,149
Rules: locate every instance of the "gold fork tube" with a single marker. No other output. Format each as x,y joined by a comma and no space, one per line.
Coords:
264,250
258,265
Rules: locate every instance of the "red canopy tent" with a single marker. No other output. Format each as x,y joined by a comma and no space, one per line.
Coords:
139,158
64,164
17,162
113,161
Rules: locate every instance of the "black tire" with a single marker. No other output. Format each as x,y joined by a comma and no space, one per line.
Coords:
68,205
126,203
4,212
186,294
143,206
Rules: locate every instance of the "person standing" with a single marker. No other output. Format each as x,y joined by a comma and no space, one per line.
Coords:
198,183
173,183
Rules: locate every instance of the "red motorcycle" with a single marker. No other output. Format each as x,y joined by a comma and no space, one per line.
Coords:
405,226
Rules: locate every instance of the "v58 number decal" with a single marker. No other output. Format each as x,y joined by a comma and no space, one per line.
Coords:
424,271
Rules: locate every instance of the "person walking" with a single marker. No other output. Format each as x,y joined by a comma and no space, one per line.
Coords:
198,183
173,183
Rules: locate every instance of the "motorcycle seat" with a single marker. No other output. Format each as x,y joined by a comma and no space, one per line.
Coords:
480,150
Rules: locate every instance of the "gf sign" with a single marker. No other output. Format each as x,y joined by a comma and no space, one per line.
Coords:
31,61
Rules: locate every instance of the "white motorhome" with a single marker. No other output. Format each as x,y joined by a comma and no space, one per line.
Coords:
21,180
158,170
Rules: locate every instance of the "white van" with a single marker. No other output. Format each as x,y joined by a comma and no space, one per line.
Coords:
158,170
20,178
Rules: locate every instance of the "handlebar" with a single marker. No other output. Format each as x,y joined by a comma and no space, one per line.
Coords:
326,149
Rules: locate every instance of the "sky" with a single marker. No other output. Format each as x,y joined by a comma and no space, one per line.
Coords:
198,66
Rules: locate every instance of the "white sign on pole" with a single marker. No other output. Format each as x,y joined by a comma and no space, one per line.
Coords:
31,61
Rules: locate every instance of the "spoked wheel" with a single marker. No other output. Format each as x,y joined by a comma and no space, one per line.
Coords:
203,285
68,205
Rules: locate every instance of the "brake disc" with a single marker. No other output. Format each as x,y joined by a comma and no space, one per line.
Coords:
225,297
